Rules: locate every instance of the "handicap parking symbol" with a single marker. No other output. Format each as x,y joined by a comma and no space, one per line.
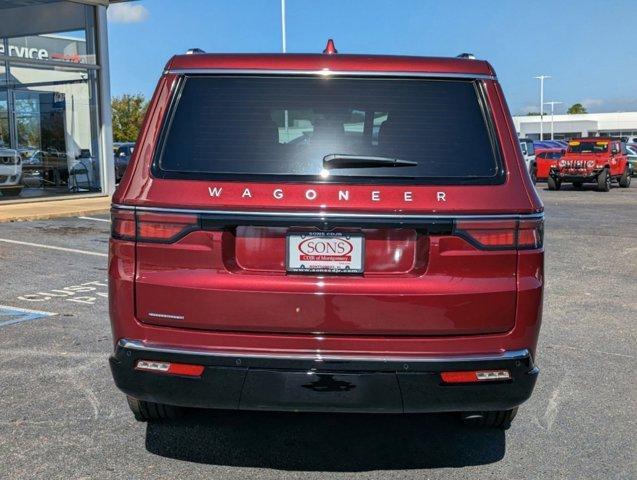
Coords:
10,315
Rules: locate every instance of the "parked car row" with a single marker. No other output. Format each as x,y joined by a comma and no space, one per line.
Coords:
600,160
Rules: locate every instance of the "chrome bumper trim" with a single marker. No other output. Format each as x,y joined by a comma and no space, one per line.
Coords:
319,357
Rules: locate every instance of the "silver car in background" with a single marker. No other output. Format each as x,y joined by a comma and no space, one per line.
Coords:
10,172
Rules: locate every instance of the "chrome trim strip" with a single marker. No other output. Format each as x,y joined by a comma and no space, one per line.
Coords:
327,73
146,347
165,315
323,214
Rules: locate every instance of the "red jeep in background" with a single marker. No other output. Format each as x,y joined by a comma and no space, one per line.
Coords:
592,160
308,233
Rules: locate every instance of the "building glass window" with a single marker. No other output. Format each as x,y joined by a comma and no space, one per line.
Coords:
49,106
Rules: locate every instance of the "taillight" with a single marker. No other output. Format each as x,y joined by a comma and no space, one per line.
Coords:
151,227
530,234
502,234
122,225
165,228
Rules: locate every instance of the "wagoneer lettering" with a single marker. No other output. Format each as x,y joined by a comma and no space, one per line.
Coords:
311,194
277,220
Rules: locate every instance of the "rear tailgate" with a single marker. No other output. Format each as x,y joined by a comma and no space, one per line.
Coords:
417,280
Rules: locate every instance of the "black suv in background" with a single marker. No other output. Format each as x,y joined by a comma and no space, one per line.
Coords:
123,152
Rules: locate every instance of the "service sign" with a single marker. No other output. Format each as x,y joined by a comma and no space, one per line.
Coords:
326,252
48,47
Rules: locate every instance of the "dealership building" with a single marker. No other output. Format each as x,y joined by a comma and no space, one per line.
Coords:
55,98
618,124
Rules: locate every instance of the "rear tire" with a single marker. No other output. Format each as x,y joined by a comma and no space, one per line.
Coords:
147,411
553,184
624,180
533,173
603,181
499,419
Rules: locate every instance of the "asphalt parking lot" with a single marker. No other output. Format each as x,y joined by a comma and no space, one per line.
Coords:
62,417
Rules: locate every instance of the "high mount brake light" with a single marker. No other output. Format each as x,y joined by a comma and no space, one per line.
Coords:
502,234
151,227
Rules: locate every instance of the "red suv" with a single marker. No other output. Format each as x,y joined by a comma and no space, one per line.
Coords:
331,232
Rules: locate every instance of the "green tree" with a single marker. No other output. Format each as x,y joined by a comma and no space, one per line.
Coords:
576,108
128,114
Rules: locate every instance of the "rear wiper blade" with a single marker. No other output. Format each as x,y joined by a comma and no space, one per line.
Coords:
338,160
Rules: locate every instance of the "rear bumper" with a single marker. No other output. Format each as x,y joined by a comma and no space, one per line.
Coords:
322,384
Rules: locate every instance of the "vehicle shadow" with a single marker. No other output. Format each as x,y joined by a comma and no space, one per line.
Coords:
324,442
587,187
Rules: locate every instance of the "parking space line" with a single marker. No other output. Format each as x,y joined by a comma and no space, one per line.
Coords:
18,315
51,247
95,219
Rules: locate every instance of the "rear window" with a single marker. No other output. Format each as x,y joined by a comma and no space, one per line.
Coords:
286,128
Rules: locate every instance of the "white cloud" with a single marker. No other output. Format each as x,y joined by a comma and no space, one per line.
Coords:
592,102
528,109
127,13
613,104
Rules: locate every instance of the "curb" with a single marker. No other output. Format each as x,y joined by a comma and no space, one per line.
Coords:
45,210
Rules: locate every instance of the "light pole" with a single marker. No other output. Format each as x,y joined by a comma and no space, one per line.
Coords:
283,39
541,79
284,48
552,104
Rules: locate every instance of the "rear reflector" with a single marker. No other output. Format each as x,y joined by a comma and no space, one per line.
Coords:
475,376
502,234
170,368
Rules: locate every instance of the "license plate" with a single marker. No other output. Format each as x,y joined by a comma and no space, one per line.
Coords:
325,252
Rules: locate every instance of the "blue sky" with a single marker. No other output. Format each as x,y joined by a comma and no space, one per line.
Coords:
588,47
